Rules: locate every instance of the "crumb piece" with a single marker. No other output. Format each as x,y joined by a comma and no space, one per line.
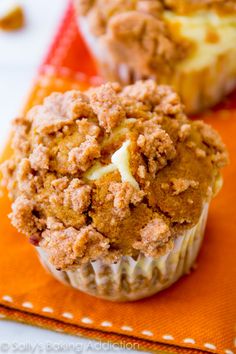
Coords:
24,169
69,246
87,128
25,179
58,111
200,153
146,38
170,103
7,169
161,98
39,158
143,92
13,19
59,246
54,224
81,158
57,196
184,132
191,144
22,216
212,140
90,244
141,172
154,238
124,194
165,186
60,183
20,142
105,103
180,185
56,199
77,196
157,146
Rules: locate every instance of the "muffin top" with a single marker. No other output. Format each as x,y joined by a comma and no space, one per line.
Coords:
109,172
150,35
138,27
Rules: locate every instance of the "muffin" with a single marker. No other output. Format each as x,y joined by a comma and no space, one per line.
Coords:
187,44
112,186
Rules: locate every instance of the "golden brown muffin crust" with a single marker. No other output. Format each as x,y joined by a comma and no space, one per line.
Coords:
63,202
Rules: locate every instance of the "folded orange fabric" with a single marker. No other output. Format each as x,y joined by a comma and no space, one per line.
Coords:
196,315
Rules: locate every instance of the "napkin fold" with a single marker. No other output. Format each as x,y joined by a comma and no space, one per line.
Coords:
196,315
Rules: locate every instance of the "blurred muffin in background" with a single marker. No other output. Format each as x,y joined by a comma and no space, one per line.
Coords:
113,186
187,44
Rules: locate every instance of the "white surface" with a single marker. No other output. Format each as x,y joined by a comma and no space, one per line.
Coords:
20,55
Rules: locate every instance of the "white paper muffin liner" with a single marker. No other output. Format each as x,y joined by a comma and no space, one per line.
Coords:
198,89
131,279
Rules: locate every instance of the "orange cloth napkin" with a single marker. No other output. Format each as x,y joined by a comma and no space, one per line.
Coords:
196,315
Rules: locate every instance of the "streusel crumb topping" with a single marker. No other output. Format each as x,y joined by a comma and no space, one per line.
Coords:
137,27
109,172
137,33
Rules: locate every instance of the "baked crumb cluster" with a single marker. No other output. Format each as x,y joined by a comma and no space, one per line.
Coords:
109,172
12,17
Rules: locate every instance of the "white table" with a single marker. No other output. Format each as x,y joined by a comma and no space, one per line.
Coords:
20,55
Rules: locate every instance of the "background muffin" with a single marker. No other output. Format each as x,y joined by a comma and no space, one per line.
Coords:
187,44
113,185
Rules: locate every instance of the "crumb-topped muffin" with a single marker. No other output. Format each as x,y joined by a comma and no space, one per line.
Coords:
187,44
110,180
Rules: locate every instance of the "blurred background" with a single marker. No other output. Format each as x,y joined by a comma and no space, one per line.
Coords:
22,51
